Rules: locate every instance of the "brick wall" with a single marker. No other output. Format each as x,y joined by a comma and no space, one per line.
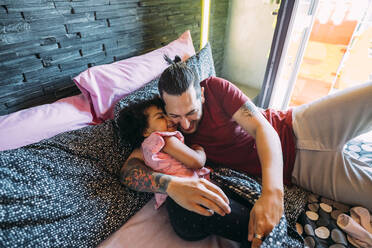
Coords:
45,43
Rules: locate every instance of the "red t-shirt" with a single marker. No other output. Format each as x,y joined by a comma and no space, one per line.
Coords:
225,142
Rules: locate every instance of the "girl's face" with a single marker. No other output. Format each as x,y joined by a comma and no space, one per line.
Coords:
157,121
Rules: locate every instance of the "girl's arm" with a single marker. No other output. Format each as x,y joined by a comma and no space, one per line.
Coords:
192,158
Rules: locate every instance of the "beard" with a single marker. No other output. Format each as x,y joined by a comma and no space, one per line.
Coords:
192,129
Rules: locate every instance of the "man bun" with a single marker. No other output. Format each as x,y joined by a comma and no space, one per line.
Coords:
170,61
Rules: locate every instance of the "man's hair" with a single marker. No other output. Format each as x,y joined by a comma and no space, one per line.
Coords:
133,121
177,78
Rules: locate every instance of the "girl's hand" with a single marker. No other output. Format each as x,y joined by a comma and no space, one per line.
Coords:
197,147
191,158
200,151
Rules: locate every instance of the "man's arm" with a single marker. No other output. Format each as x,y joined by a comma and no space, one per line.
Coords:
269,208
189,193
141,178
268,144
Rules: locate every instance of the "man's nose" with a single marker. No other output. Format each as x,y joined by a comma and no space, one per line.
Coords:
185,123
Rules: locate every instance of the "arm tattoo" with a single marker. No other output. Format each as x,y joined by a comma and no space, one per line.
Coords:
162,181
139,177
249,109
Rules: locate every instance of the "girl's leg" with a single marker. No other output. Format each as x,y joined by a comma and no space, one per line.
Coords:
185,223
322,128
191,226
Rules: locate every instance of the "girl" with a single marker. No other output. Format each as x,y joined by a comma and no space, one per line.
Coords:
146,125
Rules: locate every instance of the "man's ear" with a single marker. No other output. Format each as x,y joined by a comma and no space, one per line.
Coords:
202,94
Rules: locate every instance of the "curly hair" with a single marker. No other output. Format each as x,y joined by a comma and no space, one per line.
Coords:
133,121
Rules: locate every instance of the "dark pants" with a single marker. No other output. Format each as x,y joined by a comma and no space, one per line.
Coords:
192,226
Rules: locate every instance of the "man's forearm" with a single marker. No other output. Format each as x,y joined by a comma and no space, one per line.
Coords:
270,153
268,145
137,176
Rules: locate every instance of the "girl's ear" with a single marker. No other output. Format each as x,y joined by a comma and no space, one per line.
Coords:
146,133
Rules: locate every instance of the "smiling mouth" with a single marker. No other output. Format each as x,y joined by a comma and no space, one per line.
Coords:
192,125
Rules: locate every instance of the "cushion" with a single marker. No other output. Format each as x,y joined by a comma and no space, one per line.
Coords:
202,63
31,125
104,85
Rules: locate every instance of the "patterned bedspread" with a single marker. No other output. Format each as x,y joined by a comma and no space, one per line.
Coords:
65,191
360,149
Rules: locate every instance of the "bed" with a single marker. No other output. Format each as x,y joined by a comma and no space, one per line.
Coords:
39,199
59,180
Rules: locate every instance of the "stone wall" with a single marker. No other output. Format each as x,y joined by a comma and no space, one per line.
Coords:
45,43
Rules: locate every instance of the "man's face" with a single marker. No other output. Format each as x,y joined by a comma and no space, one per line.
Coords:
185,110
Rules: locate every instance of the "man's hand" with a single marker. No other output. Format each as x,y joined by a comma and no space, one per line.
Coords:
190,193
264,216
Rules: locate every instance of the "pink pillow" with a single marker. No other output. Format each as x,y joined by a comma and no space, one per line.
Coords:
31,125
105,85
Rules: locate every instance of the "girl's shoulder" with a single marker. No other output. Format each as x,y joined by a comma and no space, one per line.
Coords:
177,134
158,137
155,142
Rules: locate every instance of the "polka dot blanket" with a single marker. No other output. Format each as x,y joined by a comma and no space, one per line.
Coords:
318,223
360,149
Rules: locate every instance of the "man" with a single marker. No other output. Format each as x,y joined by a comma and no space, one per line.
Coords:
234,133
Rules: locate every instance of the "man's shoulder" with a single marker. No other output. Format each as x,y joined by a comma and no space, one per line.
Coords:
213,81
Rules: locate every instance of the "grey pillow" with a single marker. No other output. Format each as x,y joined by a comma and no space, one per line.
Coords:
201,62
